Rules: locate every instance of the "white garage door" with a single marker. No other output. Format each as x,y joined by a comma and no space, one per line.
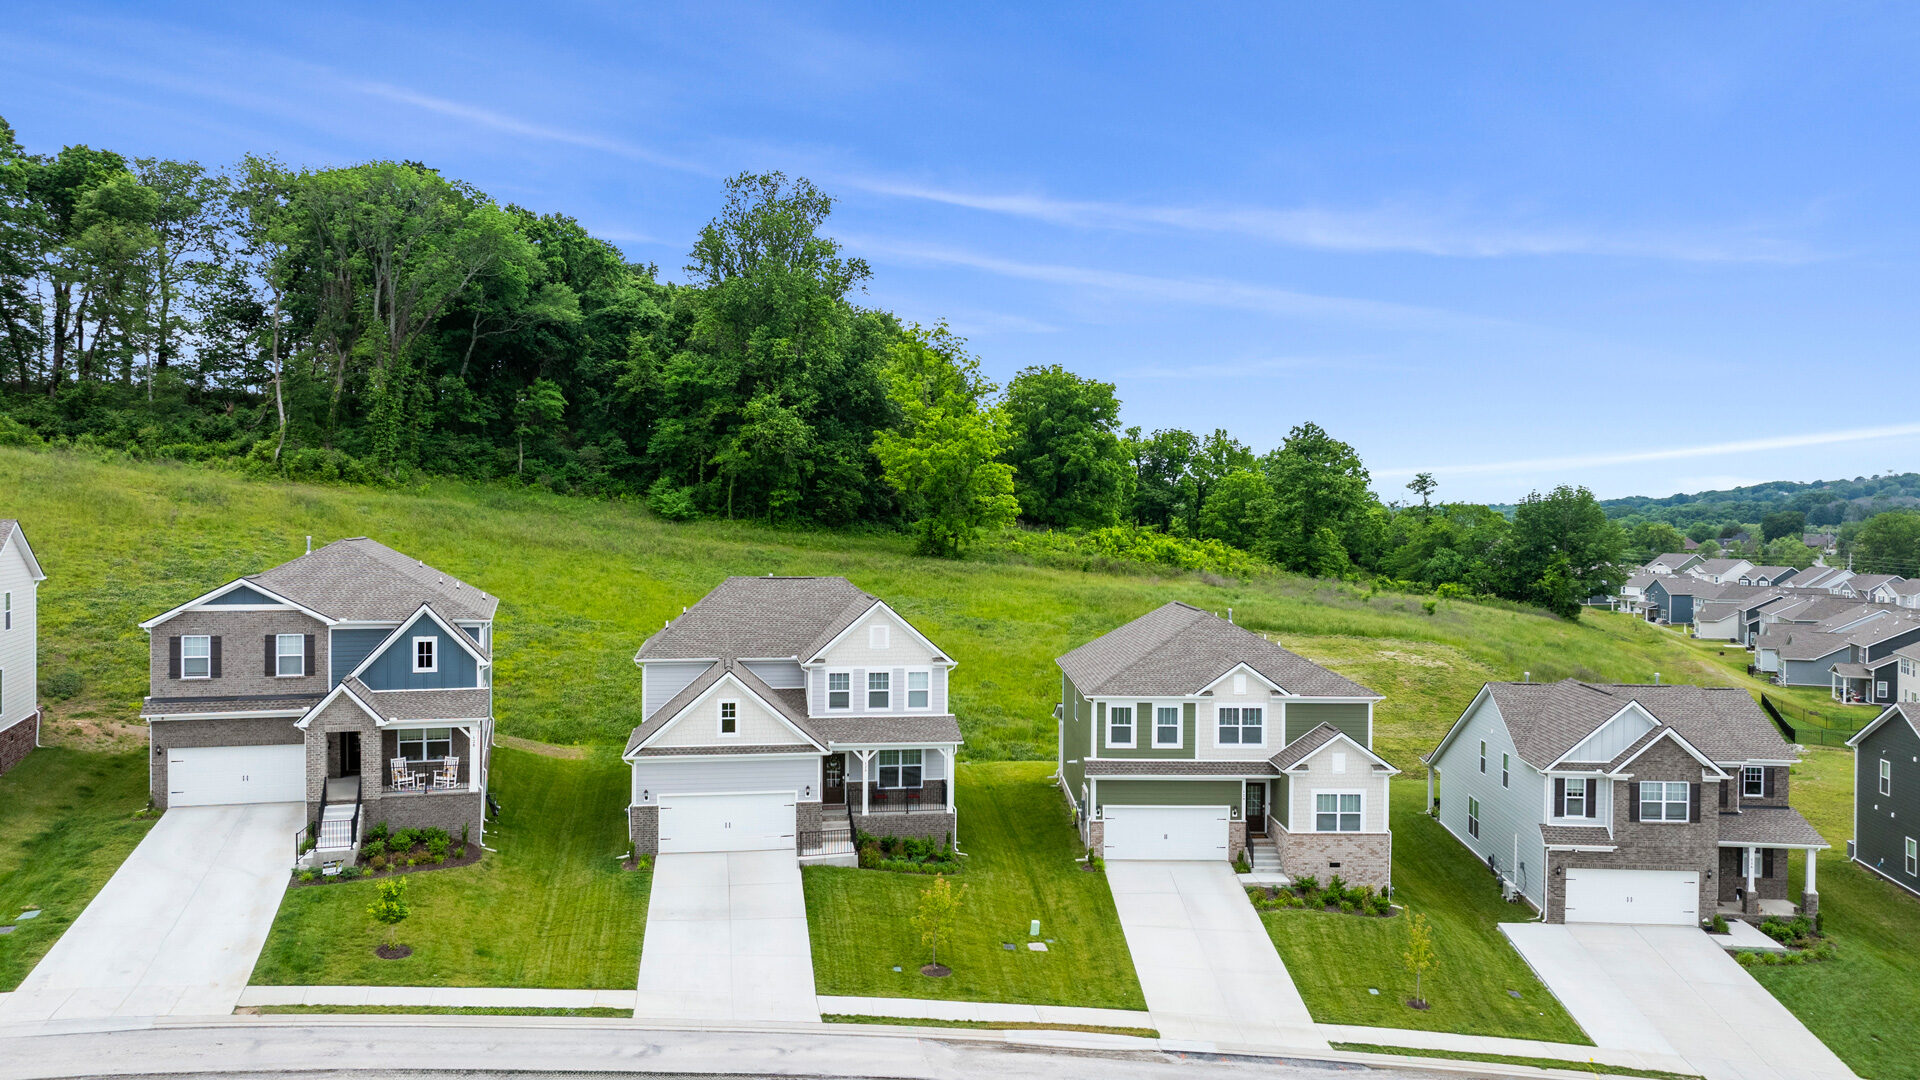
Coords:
218,775
732,822
1667,897
1166,832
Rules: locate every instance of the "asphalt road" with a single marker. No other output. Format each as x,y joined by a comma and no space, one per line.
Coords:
519,1047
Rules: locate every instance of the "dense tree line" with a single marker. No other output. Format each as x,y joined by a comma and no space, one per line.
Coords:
380,320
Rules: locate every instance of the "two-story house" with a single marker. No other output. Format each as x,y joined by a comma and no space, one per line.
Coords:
1886,784
353,678
1184,736
20,578
790,713
1625,803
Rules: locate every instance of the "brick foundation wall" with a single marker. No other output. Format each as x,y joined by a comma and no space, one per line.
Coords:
18,741
1236,840
807,817
164,735
1097,837
451,811
932,825
643,827
1363,858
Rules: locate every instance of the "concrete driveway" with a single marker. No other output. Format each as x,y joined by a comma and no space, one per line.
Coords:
727,939
176,930
1668,989
1208,969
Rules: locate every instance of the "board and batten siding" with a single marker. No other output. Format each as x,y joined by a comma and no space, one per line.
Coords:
454,666
1507,814
19,677
933,766
1882,823
1318,775
1612,738
1168,793
1349,716
347,648
720,775
244,596
756,725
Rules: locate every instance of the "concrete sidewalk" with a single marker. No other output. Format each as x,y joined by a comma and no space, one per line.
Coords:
983,1011
445,997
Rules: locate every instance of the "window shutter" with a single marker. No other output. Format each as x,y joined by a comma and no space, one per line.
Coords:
1559,796
1723,795
1766,862
270,657
1633,800
1593,797
1693,802
308,669
173,657
1766,783
213,665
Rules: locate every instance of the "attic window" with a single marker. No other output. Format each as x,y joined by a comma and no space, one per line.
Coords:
877,636
426,655
729,718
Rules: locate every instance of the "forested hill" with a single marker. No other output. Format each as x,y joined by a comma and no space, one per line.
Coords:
1824,502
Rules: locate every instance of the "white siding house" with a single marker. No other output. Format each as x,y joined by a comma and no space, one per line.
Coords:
1491,800
20,578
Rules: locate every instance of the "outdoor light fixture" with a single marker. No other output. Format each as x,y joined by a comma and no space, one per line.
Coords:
806,792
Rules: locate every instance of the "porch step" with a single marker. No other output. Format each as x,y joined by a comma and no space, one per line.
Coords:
1265,856
336,827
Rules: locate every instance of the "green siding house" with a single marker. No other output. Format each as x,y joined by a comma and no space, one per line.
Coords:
1886,795
1183,736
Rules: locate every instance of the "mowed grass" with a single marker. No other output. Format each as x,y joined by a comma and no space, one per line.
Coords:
1020,866
583,583
1337,959
549,907
66,824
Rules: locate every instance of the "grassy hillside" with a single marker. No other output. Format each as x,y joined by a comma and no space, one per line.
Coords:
582,584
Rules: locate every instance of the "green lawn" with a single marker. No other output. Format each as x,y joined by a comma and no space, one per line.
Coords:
1019,837
66,823
549,907
1336,959
1509,1059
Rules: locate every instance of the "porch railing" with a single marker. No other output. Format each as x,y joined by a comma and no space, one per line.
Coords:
822,842
897,801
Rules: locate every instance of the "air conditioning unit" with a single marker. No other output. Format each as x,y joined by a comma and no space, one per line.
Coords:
1507,891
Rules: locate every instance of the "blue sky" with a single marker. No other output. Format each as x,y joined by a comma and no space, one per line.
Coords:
1644,250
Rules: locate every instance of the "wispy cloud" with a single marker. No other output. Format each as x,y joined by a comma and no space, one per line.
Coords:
1671,453
1403,227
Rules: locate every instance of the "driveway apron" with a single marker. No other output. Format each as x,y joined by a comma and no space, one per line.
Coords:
727,939
176,930
1206,965
1669,989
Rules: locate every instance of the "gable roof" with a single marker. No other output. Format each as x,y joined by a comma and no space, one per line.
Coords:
12,533
1908,711
1718,566
1865,583
1768,572
362,580
454,633
1673,559
1177,650
1546,720
1317,739
782,705
1800,644
761,618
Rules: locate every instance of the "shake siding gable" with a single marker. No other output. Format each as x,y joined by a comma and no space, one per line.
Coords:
1257,695
1318,776
699,723
1506,814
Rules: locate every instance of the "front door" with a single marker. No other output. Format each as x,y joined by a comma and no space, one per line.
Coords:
349,753
1256,809
833,785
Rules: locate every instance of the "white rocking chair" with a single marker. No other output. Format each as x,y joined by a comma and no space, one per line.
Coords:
404,779
448,777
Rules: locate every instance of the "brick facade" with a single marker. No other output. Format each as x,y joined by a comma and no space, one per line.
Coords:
1236,840
18,741
1359,858
930,824
1644,845
164,735
243,638
1770,887
643,828
449,810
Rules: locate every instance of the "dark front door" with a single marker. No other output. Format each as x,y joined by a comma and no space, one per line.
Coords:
349,753
1257,809
833,787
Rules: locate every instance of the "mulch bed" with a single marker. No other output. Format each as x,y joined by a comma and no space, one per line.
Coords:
936,971
394,952
473,856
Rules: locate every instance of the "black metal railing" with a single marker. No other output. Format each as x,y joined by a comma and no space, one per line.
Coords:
898,801
821,842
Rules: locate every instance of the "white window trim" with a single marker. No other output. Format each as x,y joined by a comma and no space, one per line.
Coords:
1133,728
870,691
6,611
907,690
1473,817
1749,782
208,656
1886,776
1483,757
1686,804
1912,854
900,767
1262,709
1179,727
1506,769
720,718
400,741
1337,812
280,653
434,642
1589,788
831,707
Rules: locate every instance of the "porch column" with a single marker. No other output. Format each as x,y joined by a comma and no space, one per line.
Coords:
1752,906
953,775
866,779
473,764
1810,896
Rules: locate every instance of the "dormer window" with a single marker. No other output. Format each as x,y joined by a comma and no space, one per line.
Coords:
877,636
426,654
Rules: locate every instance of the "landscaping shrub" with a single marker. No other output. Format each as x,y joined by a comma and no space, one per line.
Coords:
1306,892
906,854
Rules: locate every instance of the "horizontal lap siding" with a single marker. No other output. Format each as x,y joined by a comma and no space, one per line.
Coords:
661,680
1885,821
1349,717
779,674
18,693
933,765
1505,813
1143,732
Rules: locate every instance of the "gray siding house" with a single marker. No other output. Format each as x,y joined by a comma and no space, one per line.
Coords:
354,679
790,713
20,578
1183,736
1886,796
1648,804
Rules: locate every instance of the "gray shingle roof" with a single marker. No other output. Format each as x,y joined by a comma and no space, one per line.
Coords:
761,618
1769,825
1768,572
462,704
1298,750
785,704
1865,583
1716,566
232,703
1852,671
682,751
1151,767
1799,644
1547,720
7,526
1887,626
1671,559
1177,649
1570,835
364,580
845,730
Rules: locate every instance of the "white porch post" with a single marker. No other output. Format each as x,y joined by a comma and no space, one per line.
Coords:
1753,864
866,779
953,775
1812,857
473,763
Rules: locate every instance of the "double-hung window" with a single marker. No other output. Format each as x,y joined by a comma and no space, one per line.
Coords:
1753,781
6,611
919,689
1336,811
1576,802
900,768
1241,726
879,689
425,744
196,656
1664,800
290,654
1120,725
1473,817
1506,770
729,718
1483,756
1166,726
839,689
426,654
1886,776
1913,858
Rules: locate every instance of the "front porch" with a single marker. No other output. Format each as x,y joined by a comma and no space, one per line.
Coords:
1854,684
890,791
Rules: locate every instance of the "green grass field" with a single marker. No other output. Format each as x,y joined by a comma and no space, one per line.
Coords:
66,824
1020,847
549,907
1336,959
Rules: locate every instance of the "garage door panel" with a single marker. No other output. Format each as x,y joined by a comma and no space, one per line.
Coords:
758,821
225,775
1165,832
1660,897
